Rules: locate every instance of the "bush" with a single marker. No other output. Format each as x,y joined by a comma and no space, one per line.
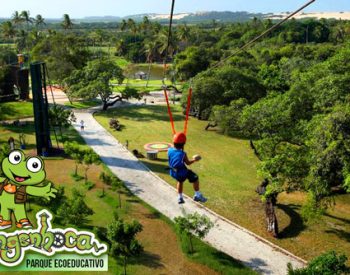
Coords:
328,263
100,193
74,210
89,185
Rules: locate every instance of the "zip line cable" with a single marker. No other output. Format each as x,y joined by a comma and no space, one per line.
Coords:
218,63
262,35
164,67
169,34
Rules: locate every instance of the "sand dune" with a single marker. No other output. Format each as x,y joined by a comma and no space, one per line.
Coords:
318,15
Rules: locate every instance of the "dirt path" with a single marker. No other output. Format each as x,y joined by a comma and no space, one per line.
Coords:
241,244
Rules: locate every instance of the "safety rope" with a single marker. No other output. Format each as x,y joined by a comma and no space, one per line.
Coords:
165,68
215,65
189,96
169,111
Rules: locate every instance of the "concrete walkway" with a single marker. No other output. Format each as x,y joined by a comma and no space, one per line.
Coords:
226,236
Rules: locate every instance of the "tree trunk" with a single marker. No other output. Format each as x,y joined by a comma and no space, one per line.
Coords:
191,244
105,106
86,169
149,73
76,170
124,265
120,200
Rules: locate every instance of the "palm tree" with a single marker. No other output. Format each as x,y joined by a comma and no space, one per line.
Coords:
66,23
165,49
93,37
8,29
151,48
26,18
131,24
22,39
39,21
184,33
17,18
123,25
145,25
120,47
133,27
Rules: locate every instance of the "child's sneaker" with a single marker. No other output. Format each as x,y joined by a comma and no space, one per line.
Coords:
181,201
199,198
5,224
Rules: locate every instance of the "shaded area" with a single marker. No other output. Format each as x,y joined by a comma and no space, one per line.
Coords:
160,168
154,215
344,220
258,265
209,256
342,234
158,113
147,259
122,163
296,225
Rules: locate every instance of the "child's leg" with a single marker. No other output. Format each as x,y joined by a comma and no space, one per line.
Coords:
180,186
193,178
179,191
196,186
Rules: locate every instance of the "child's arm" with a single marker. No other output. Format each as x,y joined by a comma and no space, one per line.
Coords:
187,161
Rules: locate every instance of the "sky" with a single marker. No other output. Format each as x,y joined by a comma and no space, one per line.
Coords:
83,8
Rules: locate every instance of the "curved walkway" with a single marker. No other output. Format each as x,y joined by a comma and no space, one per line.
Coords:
241,244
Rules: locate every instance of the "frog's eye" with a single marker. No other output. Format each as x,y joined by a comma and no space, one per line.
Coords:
34,165
15,157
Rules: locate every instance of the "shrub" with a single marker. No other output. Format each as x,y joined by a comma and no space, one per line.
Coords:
328,263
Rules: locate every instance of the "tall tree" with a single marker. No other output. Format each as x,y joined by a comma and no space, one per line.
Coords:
93,80
151,48
8,29
163,43
67,23
17,18
145,25
26,18
123,25
39,21
132,26
184,33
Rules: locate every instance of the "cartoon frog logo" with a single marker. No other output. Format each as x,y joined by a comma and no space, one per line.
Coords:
21,176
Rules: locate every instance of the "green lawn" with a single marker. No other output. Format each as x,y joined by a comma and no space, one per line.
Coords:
228,178
16,110
158,236
10,45
121,62
83,104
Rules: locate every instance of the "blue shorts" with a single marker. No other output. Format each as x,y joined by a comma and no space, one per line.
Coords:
190,176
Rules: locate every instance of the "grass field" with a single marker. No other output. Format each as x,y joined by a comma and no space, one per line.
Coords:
82,104
16,110
163,248
228,178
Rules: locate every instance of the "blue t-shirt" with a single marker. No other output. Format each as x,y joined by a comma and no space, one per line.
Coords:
178,169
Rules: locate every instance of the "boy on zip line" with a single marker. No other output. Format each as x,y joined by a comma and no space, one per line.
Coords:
178,170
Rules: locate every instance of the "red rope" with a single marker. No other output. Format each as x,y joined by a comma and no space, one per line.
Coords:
169,112
188,109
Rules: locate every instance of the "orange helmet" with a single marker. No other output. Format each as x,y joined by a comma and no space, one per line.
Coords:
179,138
